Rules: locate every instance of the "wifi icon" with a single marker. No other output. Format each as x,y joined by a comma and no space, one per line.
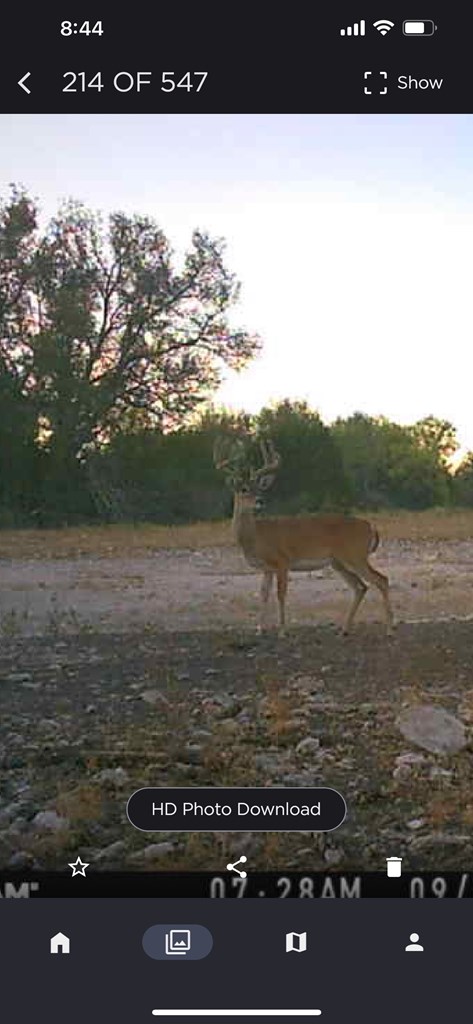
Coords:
384,26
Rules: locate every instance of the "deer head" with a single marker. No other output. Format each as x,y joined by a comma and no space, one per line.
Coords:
230,456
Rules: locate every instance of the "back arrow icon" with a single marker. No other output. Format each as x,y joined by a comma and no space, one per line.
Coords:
22,81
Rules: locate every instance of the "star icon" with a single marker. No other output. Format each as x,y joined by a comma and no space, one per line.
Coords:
78,868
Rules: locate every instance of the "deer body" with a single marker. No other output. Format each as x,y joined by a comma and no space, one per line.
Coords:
278,544
300,543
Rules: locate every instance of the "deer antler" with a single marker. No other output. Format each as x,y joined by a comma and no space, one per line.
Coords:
271,460
226,452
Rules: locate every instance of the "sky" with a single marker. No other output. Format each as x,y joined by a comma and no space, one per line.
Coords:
351,236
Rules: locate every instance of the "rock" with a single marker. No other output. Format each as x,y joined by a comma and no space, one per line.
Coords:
49,821
411,758
439,839
21,859
153,851
49,724
230,726
193,753
19,824
225,702
440,773
21,788
308,746
297,780
333,856
112,852
154,697
406,764
116,775
184,769
267,762
433,729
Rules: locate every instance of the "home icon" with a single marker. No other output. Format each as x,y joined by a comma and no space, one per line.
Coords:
60,944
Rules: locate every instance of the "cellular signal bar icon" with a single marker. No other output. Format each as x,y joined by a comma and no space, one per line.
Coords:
354,30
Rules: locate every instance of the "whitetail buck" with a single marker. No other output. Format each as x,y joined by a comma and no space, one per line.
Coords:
277,544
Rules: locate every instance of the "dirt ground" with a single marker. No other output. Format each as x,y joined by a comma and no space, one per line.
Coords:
187,589
145,668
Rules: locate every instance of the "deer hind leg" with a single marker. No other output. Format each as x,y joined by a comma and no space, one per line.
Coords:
266,587
370,575
281,576
359,590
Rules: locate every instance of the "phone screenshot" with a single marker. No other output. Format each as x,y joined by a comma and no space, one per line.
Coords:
236,514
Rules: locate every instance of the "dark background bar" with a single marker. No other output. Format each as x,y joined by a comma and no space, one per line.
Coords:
225,885
258,60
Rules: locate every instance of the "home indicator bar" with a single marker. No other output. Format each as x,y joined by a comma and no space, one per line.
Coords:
237,1013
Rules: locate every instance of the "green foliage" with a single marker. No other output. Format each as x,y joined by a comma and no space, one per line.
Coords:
166,478
393,466
97,327
311,475
437,437
462,483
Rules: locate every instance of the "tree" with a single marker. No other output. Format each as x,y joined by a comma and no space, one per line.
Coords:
97,324
311,476
389,465
436,436
166,477
119,328
18,419
462,483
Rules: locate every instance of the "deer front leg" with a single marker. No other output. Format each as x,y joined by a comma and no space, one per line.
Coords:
266,587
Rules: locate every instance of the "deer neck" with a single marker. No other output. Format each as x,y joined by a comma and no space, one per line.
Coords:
243,522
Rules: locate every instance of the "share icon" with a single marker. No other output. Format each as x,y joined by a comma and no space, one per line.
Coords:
233,867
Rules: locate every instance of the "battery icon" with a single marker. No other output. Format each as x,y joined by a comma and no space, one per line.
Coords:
418,28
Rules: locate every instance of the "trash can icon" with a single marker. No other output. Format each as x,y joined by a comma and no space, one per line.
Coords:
394,866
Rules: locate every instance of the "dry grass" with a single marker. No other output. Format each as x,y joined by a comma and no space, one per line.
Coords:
126,540
433,525
111,541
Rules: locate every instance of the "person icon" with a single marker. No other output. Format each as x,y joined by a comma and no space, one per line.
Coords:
414,946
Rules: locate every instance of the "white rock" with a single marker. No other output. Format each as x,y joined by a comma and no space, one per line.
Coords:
153,851
115,850
154,697
411,758
433,729
439,773
333,855
49,821
406,764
